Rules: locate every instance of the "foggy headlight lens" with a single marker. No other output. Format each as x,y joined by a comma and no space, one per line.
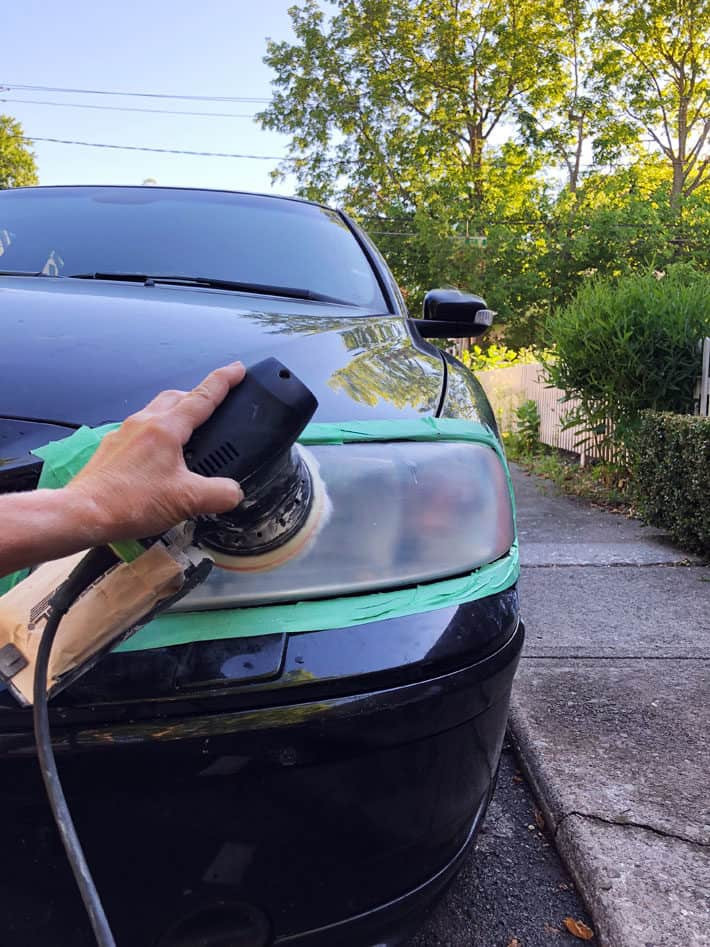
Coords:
399,513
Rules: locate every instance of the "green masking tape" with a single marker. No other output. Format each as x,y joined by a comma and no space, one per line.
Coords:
8,581
63,459
186,627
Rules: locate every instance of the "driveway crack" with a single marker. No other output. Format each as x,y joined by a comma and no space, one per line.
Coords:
627,822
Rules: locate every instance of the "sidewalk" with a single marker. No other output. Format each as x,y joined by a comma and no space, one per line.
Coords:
611,714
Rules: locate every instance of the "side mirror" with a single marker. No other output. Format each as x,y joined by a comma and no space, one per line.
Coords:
451,314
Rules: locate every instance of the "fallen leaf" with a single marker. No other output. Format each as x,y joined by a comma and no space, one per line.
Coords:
539,820
517,779
578,928
514,942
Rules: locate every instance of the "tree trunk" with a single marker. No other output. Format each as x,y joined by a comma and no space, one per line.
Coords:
677,186
679,158
576,167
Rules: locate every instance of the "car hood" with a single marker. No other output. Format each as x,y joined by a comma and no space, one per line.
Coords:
78,352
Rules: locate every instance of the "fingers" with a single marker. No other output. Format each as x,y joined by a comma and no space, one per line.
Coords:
216,494
163,402
197,405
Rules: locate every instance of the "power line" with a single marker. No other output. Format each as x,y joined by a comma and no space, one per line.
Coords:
166,151
512,224
129,108
6,86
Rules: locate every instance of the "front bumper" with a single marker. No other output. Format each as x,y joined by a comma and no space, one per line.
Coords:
326,805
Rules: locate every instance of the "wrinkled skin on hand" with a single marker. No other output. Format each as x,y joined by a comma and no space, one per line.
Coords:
137,482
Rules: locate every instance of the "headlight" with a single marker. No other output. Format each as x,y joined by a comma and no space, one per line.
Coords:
400,513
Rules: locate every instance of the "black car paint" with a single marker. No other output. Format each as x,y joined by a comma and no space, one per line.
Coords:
19,468
307,789
315,802
77,352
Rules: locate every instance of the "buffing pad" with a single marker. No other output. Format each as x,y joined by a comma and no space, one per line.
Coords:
298,544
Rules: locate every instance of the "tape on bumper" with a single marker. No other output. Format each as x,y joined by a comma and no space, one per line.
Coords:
63,459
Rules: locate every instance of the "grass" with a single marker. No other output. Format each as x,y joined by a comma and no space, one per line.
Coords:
604,485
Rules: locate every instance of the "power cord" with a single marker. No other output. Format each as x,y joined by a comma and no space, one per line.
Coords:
81,577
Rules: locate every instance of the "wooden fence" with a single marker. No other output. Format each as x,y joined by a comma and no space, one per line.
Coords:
508,388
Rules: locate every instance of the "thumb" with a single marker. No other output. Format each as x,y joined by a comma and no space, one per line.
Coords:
216,494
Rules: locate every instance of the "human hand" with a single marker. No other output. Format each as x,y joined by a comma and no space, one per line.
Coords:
137,484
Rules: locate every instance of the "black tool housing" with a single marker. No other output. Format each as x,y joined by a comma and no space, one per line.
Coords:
250,438
254,427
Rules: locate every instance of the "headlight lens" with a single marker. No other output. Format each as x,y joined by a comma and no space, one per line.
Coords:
401,513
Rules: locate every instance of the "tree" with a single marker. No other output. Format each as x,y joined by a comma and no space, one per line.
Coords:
394,103
564,123
400,108
655,58
17,162
439,122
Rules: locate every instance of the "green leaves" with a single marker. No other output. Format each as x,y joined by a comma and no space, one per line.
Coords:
402,97
671,468
498,356
629,345
17,163
571,135
653,68
527,425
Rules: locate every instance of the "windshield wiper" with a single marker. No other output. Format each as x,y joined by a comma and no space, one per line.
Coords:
22,273
261,289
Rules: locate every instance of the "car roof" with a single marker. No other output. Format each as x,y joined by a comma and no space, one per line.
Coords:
163,187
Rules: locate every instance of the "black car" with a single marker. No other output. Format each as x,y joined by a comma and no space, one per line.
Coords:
300,755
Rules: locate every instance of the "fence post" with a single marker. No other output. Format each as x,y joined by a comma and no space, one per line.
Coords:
703,388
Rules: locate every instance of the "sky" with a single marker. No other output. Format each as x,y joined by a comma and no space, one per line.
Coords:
210,48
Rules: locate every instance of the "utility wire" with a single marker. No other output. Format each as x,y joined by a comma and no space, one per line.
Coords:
166,151
488,222
129,108
6,86
512,224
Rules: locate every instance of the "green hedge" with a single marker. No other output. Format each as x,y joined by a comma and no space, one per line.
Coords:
628,345
671,467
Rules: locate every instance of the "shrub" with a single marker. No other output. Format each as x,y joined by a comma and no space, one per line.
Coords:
671,482
626,345
496,356
527,425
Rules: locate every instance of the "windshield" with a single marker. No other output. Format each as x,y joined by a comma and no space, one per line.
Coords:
210,234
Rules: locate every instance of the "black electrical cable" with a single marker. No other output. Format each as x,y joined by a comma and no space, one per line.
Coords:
140,95
162,151
129,108
92,565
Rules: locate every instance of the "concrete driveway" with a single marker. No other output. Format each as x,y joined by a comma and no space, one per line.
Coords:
611,714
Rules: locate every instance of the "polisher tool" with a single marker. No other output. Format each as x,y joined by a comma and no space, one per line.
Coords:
103,596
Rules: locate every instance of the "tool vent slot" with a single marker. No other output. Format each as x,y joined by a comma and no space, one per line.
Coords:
212,463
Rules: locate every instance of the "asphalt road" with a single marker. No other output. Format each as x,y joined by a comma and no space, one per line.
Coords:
513,890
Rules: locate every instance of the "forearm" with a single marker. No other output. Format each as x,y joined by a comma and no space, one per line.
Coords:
46,524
